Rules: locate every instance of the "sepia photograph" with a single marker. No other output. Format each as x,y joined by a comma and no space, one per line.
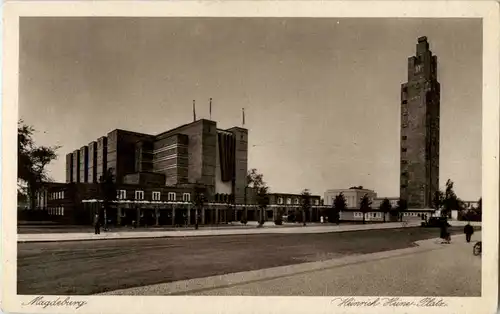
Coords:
250,155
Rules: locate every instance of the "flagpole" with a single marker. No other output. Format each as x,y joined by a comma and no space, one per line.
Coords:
210,109
194,111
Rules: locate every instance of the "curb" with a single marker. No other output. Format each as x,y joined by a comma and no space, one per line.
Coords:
190,286
208,233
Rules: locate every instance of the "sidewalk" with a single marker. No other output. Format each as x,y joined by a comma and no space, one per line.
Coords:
398,272
49,237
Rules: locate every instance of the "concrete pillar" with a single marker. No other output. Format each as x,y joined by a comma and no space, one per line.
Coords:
118,215
216,216
188,215
203,216
275,213
173,216
157,218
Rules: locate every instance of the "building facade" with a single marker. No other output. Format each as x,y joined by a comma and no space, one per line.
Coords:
154,174
156,177
420,109
194,153
150,205
352,196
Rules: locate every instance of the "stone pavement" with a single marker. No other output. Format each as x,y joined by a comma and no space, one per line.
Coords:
191,232
429,269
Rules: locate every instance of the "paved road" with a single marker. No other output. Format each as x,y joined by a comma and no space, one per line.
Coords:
89,267
450,271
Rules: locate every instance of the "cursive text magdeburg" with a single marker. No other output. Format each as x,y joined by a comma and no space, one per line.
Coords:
58,302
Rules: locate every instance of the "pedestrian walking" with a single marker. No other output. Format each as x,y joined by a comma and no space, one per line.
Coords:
445,235
469,231
97,225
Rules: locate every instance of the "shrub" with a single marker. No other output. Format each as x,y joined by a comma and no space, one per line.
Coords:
470,215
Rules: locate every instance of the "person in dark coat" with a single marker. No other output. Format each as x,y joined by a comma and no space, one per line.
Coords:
444,234
442,231
97,224
468,230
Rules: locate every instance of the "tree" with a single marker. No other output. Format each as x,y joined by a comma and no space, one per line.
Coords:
306,204
339,205
365,205
198,202
32,161
450,200
255,181
476,213
437,200
262,201
278,220
385,207
107,189
401,207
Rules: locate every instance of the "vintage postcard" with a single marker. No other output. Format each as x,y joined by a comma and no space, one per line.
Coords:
250,157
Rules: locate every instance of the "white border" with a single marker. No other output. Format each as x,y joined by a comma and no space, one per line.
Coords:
488,10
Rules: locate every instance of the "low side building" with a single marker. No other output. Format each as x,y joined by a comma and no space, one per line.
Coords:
375,215
150,205
284,204
470,204
376,202
77,203
352,196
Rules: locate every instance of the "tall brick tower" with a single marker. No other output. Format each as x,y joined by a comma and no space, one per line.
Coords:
420,129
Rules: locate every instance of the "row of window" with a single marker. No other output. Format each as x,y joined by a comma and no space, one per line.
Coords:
56,195
296,201
412,214
379,215
368,215
156,196
57,211
224,198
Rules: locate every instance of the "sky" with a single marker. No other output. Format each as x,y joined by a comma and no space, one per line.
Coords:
321,96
